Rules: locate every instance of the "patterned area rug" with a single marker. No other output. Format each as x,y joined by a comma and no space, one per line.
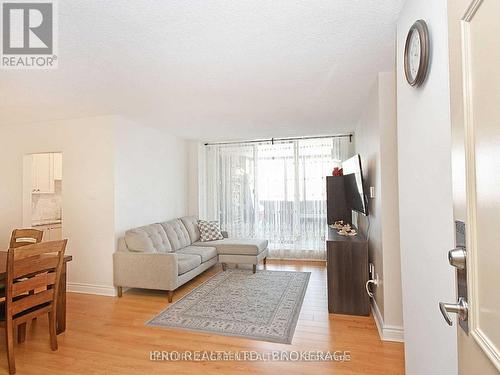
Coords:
261,306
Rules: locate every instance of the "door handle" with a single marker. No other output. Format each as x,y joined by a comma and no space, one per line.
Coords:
457,258
461,308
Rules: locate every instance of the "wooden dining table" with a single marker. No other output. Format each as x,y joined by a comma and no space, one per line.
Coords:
61,297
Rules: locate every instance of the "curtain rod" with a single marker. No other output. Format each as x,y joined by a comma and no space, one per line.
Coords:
272,140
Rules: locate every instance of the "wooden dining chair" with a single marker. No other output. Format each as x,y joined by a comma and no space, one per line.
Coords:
23,237
36,268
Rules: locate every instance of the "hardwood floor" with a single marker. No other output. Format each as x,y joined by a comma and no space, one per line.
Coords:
107,335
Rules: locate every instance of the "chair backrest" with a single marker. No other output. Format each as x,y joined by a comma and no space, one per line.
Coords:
23,237
30,268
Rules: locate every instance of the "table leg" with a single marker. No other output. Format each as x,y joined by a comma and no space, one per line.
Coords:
61,303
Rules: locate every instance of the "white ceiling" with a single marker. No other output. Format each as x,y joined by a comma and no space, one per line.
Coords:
212,70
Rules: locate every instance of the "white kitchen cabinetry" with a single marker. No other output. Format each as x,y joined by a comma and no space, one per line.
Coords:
43,173
51,232
57,166
56,232
46,169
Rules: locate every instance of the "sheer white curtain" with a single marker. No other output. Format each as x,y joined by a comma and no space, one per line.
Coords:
274,191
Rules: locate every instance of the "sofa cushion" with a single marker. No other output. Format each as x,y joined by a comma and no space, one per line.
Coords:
191,225
149,239
176,234
236,246
209,231
187,262
205,253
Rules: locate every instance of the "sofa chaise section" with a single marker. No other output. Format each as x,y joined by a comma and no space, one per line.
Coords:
230,250
239,251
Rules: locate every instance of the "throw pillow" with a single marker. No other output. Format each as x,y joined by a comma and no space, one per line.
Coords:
209,231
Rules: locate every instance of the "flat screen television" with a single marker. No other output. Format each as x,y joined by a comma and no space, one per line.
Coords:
353,180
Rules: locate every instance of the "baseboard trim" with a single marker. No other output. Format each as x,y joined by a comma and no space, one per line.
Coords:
386,332
101,290
297,259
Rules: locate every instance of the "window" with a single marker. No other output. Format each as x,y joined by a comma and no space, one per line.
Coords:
274,191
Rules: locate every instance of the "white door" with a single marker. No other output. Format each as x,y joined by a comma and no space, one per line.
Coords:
475,105
425,198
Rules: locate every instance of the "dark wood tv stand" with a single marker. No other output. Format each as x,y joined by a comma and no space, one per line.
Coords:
347,274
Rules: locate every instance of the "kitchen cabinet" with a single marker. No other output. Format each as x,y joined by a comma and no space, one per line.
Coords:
46,169
57,166
43,173
51,232
56,233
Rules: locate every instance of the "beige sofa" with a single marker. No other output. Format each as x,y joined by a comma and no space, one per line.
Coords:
167,255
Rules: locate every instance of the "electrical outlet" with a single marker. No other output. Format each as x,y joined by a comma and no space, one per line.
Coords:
372,192
371,270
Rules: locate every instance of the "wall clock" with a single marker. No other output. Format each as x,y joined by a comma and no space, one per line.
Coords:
416,59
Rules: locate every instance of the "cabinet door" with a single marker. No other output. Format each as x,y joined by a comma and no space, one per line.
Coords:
44,173
56,233
57,166
46,232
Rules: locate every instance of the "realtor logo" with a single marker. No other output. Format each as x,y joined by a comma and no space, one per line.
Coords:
28,35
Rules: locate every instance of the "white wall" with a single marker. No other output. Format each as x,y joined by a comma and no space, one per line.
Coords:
367,143
393,305
88,151
376,142
195,177
425,198
197,196
151,176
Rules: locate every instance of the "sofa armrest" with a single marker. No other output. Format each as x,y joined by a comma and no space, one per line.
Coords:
225,234
145,270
